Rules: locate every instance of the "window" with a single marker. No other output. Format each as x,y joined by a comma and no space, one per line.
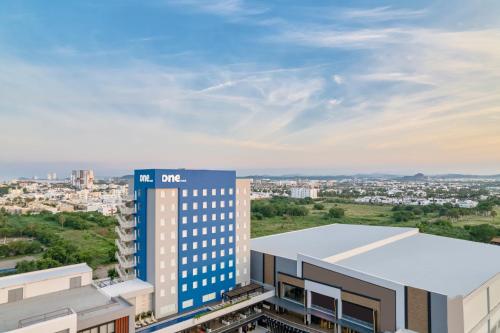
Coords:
214,217
204,269
204,231
231,263
195,193
195,232
230,227
213,279
172,290
184,287
204,282
184,220
230,251
222,228
162,236
195,205
230,239
184,247
222,277
230,275
214,267
205,205
230,191
214,192
222,265
292,293
222,191
222,240
214,254
184,206
204,192
214,241
222,216
214,230
184,193
230,215
195,219
195,258
184,260
222,204
222,253
204,217
195,271
204,256
214,204
184,233
195,245
195,284
184,274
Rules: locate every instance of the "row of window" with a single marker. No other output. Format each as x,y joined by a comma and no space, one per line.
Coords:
204,256
204,231
204,192
204,282
204,269
204,217
213,204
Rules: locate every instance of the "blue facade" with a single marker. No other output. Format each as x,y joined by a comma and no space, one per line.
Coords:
188,182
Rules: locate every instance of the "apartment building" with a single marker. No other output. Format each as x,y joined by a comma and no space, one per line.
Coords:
82,179
351,278
304,192
186,232
61,300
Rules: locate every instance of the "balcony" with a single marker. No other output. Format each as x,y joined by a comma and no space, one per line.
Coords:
125,237
125,249
124,223
44,317
124,210
124,273
125,263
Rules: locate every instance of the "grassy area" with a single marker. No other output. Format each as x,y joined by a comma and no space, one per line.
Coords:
66,238
367,214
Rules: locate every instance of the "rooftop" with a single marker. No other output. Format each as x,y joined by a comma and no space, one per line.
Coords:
128,288
325,241
443,265
78,299
46,274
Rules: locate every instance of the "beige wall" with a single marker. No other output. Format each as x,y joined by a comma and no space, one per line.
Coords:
163,249
46,286
242,230
53,325
481,306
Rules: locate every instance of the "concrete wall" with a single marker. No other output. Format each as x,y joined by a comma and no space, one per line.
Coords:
163,249
242,220
287,266
44,286
482,307
257,266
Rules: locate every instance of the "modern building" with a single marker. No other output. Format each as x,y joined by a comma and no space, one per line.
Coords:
353,278
82,179
187,233
61,300
304,192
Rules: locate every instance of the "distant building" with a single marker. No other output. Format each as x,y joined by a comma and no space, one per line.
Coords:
51,176
82,179
304,192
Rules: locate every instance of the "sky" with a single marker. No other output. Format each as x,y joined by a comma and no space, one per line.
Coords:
270,87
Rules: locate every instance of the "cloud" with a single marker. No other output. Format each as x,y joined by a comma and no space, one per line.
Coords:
381,13
220,7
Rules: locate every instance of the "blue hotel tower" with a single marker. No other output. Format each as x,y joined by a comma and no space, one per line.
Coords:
190,238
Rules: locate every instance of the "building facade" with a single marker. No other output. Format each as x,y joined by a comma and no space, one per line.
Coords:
187,232
360,279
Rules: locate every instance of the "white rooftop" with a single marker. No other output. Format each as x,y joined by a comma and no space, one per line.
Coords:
443,265
26,278
325,241
128,288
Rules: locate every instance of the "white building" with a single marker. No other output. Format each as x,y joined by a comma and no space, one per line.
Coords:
304,192
82,179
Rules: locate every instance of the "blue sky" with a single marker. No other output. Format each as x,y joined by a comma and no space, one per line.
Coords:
257,86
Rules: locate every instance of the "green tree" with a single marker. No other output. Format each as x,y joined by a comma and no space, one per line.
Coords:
61,219
319,206
112,274
335,213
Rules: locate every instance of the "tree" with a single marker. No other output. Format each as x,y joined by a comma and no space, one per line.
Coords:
112,274
319,206
335,213
61,219
483,232
493,214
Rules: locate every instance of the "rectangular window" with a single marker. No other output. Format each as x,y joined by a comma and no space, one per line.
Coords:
222,191
214,192
195,193
184,206
230,191
293,293
204,192
184,193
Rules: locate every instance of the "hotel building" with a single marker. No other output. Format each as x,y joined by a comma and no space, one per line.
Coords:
187,232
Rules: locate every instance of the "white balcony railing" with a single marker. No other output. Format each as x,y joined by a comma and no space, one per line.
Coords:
125,237
124,274
124,210
124,223
125,249
125,263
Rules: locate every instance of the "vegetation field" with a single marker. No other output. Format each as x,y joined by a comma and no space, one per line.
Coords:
58,239
458,223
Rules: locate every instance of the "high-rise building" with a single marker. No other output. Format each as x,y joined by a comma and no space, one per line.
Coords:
186,232
82,179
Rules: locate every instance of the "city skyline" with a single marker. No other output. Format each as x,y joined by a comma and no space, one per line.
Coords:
266,88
